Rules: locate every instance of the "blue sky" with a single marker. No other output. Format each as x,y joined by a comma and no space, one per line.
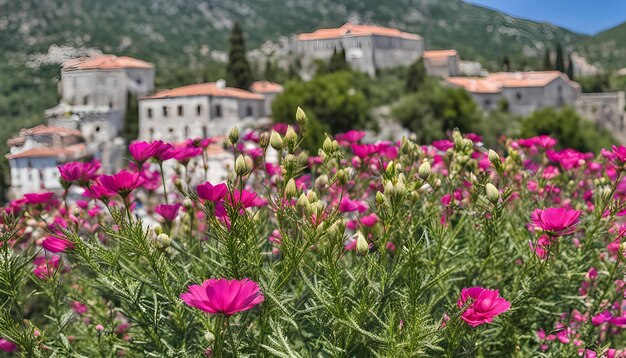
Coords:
584,16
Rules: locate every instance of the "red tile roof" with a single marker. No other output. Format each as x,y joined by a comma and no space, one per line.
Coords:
266,87
439,54
356,30
43,129
205,89
72,150
495,82
105,62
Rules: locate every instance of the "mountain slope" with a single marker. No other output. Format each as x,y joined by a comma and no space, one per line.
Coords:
607,48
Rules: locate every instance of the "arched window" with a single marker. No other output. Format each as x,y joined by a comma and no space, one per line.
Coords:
218,111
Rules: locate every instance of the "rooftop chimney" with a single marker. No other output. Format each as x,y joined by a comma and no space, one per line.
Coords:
221,84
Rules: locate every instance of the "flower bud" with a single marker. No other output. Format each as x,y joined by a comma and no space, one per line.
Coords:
290,189
380,198
233,135
264,140
493,194
241,167
424,170
301,117
209,336
494,157
291,139
311,196
321,181
391,168
276,141
327,146
303,204
362,247
163,240
342,176
187,203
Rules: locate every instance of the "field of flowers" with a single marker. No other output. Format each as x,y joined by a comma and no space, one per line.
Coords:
391,249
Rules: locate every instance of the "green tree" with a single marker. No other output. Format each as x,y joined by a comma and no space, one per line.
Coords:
239,73
336,101
506,63
547,62
337,62
568,127
436,109
131,121
416,76
269,72
559,65
570,67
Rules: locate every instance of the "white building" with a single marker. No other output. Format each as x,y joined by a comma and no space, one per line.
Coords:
35,154
442,63
524,92
269,90
198,110
368,47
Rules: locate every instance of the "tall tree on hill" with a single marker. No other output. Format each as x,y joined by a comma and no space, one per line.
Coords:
338,61
416,76
239,73
559,65
570,67
547,62
131,121
269,72
506,63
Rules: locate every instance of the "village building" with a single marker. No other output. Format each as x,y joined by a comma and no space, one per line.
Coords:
442,63
606,109
368,48
199,110
35,154
524,92
269,90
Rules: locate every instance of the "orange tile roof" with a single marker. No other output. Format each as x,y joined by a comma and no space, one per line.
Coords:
44,152
356,30
495,82
43,129
105,62
205,89
439,54
265,87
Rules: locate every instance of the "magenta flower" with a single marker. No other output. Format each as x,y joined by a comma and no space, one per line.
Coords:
486,304
163,151
443,144
142,151
619,153
122,183
78,172
364,150
223,296
168,212
210,192
346,205
79,307
7,346
56,244
184,154
38,198
97,191
556,221
44,269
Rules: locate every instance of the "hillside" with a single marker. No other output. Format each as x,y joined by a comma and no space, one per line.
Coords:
607,48
179,36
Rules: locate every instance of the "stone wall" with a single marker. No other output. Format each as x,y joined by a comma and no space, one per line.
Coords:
606,109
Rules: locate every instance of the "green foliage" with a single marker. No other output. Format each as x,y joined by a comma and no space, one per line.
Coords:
570,67
547,61
436,109
131,122
336,63
568,127
416,76
559,63
238,67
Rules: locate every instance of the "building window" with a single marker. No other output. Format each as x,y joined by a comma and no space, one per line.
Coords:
186,132
180,111
110,104
164,111
149,112
171,130
204,132
487,103
249,111
199,110
138,81
97,129
151,133
86,100
518,95
218,111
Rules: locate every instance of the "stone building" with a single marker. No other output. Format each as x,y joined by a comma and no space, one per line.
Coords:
35,154
367,47
524,92
606,109
442,63
198,110
269,90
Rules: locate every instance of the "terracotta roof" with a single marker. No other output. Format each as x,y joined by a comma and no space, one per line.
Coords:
105,62
356,30
43,129
495,82
265,87
205,89
43,152
439,54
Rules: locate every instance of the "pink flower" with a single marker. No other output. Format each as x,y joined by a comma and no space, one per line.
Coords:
223,296
556,221
78,172
56,244
97,191
122,183
184,154
369,220
142,151
38,198
45,269
364,150
351,136
443,144
210,192
163,151
7,346
168,212
485,305
79,308
620,153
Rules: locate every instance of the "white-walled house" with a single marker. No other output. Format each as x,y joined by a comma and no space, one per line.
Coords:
368,47
198,110
269,90
524,92
35,154
442,63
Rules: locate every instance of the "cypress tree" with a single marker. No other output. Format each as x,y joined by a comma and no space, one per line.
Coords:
131,120
239,73
269,72
506,63
415,77
560,61
570,67
547,62
338,61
